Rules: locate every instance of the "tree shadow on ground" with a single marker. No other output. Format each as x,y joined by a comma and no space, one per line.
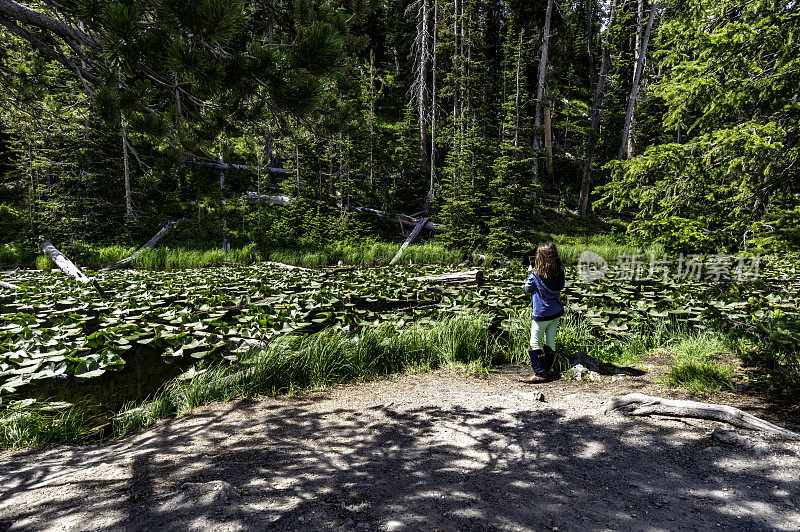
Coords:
296,466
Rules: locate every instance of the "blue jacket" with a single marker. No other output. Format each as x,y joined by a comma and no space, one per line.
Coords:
545,302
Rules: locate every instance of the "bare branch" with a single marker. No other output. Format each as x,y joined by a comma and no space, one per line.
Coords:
21,13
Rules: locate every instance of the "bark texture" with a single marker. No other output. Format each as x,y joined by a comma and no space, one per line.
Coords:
636,404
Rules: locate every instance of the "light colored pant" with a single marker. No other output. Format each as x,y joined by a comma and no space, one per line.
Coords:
544,333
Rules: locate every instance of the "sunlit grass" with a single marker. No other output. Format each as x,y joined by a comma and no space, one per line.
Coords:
695,363
367,253
30,426
329,357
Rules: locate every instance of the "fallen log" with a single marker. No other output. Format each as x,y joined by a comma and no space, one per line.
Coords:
336,271
67,267
287,266
637,404
403,219
8,286
413,236
124,263
275,200
63,263
466,277
226,166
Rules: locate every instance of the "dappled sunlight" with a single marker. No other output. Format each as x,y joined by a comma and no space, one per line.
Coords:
319,463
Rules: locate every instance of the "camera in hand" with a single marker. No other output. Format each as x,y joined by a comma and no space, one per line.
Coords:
528,260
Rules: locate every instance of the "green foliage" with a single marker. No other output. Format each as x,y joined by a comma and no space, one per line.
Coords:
695,366
328,357
26,424
11,223
728,78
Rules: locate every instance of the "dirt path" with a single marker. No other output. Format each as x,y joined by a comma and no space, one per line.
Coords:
437,451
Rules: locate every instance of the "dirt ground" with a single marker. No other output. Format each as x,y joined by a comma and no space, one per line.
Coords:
435,451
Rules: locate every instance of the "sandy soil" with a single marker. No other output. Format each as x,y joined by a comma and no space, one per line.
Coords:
436,451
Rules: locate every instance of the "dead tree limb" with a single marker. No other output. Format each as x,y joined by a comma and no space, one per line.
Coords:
470,276
124,263
287,266
403,219
636,404
413,236
337,271
67,267
63,263
8,286
275,200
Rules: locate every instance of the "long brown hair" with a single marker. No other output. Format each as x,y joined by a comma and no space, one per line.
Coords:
548,263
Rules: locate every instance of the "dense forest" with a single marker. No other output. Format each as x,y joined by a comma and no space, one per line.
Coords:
672,122
400,264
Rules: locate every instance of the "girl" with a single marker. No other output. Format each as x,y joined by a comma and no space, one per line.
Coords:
545,282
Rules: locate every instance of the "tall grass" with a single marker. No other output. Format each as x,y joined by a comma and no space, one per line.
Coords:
695,363
368,253
31,426
332,356
329,357
570,252
288,365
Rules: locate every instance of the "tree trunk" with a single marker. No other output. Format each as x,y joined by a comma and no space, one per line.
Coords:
413,236
457,138
419,88
636,404
595,121
517,95
431,190
590,36
540,91
126,169
66,266
297,169
287,266
471,276
124,263
371,120
637,76
636,54
548,139
224,203
405,220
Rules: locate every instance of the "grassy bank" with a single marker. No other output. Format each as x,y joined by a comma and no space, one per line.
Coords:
288,365
160,258
294,364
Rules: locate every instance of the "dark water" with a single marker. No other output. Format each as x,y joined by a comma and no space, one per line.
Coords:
144,372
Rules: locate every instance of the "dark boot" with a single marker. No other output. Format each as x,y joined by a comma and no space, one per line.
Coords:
537,365
549,358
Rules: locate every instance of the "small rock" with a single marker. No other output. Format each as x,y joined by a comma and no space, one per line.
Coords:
588,362
594,376
578,371
394,525
532,396
616,378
